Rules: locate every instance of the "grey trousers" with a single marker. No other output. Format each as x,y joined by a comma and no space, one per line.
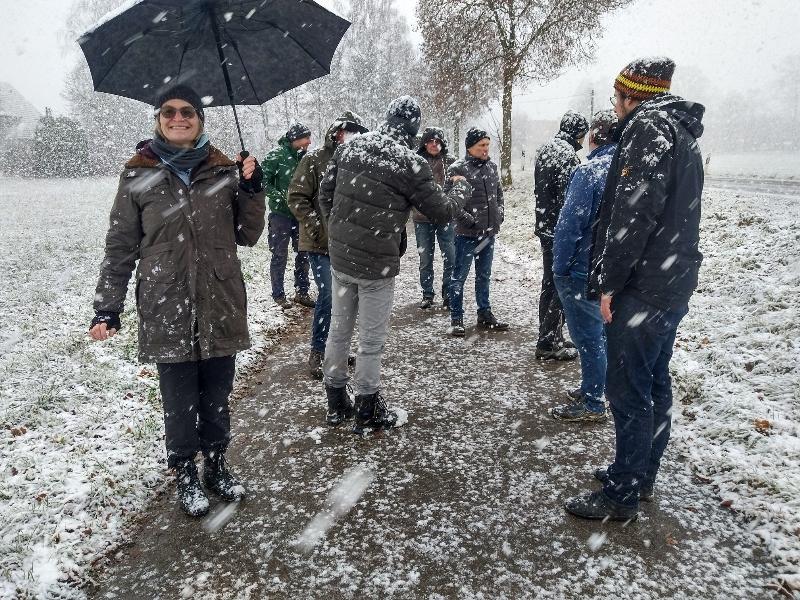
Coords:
369,300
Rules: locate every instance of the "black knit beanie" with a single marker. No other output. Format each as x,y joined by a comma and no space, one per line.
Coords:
475,135
298,131
404,112
574,124
183,92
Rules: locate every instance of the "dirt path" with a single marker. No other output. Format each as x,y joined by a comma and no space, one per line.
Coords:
465,500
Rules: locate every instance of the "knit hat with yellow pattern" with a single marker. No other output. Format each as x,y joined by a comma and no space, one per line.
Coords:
645,78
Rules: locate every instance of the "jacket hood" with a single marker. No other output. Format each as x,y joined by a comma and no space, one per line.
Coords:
432,133
349,121
688,114
570,139
398,133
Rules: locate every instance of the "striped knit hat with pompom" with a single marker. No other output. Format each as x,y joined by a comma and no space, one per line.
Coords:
645,78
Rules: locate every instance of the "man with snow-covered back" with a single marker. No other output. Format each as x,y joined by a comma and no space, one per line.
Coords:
571,246
366,197
555,162
645,264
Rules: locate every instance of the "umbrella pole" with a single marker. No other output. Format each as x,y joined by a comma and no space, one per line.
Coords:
224,63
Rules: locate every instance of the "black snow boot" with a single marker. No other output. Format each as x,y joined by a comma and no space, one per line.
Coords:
219,479
486,320
595,505
371,413
339,406
456,328
646,491
192,498
426,303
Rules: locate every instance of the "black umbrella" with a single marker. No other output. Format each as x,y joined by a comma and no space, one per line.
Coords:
230,51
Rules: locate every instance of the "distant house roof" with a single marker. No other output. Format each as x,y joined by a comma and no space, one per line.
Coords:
18,117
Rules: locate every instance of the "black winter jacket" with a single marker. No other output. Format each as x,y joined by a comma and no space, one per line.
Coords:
555,162
366,196
647,236
484,211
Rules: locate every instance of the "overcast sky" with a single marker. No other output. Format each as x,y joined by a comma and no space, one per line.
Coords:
734,42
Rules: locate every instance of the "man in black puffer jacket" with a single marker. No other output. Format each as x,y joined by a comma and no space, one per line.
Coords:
555,162
476,229
645,263
366,197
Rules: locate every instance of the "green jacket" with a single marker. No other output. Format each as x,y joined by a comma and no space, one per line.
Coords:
279,167
303,195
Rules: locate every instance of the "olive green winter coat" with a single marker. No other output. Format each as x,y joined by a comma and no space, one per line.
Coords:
190,294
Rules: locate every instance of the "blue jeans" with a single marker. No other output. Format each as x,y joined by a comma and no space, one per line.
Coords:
586,330
639,390
467,248
321,270
282,229
426,234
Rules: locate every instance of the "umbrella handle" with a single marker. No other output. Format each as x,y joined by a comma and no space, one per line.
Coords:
244,154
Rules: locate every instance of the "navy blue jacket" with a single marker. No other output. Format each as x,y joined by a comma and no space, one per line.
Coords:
573,235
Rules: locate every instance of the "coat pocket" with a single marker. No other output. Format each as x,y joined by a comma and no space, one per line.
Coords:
228,306
162,299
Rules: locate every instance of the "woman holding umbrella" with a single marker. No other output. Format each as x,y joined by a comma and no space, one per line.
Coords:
180,210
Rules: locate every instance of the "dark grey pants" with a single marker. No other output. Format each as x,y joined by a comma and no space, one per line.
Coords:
551,315
195,399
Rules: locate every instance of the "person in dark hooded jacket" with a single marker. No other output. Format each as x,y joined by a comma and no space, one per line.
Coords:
303,201
433,148
555,162
645,261
366,197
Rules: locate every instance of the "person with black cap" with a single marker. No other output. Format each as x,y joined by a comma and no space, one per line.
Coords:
476,229
366,197
645,261
279,167
571,244
303,200
433,148
180,211
555,162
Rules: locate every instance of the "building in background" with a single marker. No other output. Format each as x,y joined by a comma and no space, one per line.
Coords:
18,121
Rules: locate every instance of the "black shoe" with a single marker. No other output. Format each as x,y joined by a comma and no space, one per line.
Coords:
340,408
577,411
596,505
192,498
646,492
567,344
303,299
456,328
446,303
283,302
372,413
486,320
315,364
219,479
574,394
426,303
559,354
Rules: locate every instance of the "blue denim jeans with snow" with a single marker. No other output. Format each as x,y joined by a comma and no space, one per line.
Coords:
481,249
321,270
427,234
586,329
639,391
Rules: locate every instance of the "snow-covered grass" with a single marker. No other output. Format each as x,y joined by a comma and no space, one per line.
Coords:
736,367
773,165
81,429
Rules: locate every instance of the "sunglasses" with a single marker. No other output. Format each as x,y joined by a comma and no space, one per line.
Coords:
169,112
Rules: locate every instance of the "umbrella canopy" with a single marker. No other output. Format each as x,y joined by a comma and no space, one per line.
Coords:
229,51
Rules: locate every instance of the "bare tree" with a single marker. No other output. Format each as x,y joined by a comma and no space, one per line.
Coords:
517,41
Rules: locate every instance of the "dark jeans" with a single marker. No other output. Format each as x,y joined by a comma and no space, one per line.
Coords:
195,399
466,249
321,270
551,315
281,230
639,390
587,332
426,234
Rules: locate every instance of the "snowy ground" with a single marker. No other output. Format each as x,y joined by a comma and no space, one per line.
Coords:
771,165
82,432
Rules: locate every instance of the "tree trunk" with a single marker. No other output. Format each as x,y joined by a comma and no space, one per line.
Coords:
505,147
456,136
